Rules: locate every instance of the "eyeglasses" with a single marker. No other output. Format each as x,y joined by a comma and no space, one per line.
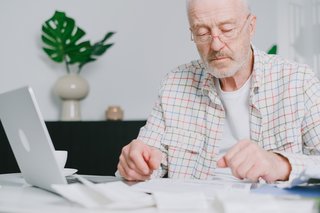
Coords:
224,35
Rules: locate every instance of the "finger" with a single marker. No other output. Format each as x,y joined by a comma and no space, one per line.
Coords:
126,170
139,162
244,168
222,163
155,159
136,158
125,156
243,157
130,174
234,150
122,165
121,171
130,164
254,173
146,156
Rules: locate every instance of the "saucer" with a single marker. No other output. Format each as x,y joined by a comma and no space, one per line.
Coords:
69,171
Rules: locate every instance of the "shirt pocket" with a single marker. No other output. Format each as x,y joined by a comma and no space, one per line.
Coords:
183,151
283,138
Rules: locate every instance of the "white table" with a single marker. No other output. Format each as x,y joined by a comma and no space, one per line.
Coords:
18,196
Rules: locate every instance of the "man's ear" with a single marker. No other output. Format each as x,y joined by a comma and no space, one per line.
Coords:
252,26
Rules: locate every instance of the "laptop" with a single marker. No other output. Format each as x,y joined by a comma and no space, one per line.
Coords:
29,138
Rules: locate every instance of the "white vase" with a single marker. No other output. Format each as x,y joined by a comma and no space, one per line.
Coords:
71,89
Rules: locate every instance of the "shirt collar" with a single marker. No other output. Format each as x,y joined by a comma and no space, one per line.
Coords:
258,67
208,81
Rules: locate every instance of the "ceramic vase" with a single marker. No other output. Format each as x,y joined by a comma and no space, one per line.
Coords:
71,89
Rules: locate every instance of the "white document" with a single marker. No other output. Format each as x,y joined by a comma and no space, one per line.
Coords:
208,187
180,201
176,194
258,203
114,195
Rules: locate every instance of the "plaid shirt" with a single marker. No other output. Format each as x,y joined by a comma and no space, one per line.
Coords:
187,120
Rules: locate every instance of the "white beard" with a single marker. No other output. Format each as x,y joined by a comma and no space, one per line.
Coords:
219,74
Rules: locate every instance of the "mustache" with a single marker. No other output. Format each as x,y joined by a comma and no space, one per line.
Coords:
216,55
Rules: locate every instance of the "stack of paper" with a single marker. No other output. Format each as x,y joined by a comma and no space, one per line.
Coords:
118,195
183,195
209,187
114,195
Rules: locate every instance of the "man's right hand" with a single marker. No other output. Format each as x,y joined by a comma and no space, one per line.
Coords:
138,160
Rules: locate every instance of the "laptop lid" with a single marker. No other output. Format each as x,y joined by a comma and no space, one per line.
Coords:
29,138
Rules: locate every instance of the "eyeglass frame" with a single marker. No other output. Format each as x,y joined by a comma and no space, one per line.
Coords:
218,36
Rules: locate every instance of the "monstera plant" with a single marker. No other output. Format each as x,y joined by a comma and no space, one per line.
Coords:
63,42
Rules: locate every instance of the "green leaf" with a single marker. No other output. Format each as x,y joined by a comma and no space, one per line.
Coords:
109,34
273,50
79,53
82,64
62,42
53,55
47,41
98,49
61,37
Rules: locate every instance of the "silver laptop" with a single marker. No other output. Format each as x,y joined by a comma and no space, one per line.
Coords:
29,138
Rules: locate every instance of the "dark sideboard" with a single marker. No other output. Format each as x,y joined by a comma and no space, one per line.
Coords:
93,146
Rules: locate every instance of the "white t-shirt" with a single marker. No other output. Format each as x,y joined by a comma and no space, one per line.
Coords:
237,123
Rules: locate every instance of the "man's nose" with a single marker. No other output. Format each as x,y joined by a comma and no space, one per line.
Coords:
216,43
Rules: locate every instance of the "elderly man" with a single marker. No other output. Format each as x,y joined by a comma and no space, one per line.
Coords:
236,108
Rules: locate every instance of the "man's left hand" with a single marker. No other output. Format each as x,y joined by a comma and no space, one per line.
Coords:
249,161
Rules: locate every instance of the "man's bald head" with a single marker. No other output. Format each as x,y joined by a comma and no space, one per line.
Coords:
243,3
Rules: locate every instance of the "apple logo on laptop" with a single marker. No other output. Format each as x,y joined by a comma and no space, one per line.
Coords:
24,140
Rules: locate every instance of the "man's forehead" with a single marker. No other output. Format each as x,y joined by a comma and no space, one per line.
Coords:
215,9
219,3
210,8
214,17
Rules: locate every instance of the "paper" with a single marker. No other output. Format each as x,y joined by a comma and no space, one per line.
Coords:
114,195
163,193
180,201
182,195
248,203
208,187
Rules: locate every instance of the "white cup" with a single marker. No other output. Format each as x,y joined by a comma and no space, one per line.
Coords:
61,156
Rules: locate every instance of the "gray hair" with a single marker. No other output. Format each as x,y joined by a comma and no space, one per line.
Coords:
245,3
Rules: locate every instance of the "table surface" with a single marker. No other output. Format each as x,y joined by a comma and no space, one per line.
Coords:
18,196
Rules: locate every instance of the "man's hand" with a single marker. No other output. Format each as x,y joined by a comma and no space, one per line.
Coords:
248,161
138,160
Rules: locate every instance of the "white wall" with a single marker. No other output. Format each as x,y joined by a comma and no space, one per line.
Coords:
152,38
299,31
266,12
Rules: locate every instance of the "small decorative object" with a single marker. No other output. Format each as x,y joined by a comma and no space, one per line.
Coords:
114,113
61,39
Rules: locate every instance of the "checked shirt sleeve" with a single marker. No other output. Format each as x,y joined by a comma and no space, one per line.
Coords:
310,129
151,134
